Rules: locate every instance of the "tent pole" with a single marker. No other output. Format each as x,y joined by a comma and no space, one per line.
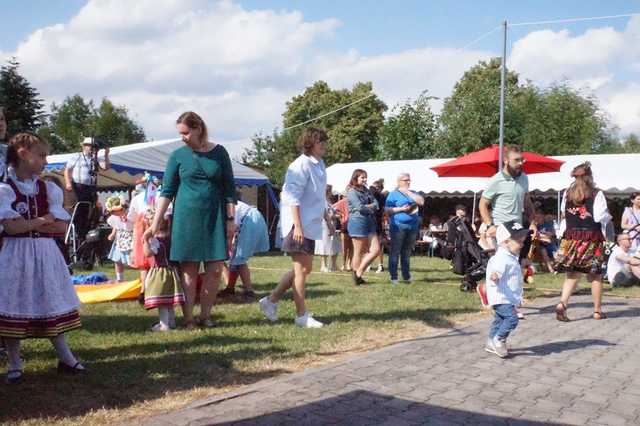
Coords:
559,203
473,212
503,77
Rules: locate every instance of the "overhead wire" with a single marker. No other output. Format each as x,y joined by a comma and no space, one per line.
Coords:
564,21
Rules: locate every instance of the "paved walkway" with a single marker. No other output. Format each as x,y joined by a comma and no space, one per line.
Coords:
582,372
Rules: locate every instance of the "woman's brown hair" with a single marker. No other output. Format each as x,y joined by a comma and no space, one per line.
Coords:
353,183
21,140
194,121
309,137
582,187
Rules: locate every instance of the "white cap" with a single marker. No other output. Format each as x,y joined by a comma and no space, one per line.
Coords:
511,229
87,141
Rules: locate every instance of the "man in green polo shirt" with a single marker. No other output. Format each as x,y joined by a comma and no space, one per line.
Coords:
506,196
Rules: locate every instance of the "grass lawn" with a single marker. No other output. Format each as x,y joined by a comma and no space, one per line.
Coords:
135,372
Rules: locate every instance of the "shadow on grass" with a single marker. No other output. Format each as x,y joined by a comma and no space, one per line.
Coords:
437,318
122,376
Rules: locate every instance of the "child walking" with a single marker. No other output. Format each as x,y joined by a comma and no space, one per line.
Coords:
37,298
162,288
504,285
121,235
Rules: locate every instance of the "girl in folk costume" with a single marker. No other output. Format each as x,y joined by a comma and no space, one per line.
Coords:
37,298
140,204
581,250
121,235
162,288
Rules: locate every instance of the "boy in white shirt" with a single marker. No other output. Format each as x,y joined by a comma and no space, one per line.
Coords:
504,285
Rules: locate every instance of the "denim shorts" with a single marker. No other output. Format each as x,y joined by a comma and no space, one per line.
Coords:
362,226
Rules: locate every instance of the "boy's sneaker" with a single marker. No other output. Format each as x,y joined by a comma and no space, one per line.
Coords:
307,321
496,346
409,281
380,269
394,282
269,309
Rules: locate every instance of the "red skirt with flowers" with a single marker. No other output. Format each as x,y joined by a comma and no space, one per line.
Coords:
580,251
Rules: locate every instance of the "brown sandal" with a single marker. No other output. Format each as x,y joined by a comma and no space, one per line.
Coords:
598,315
561,312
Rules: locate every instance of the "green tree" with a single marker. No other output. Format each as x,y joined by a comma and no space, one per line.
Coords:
562,121
409,133
631,145
352,131
556,121
24,108
76,118
470,117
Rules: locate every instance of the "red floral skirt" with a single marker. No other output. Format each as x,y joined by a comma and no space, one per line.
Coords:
580,251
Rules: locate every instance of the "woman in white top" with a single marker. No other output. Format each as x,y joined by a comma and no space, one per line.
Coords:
631,221
302,209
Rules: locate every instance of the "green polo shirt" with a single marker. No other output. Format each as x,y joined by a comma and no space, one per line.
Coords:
506,195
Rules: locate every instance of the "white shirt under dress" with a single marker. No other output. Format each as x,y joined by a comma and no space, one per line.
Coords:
304,186
35,281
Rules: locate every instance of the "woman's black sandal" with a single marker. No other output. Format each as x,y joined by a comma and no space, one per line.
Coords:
13,378
77,368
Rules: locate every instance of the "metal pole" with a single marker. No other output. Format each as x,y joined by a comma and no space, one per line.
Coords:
503,78
473,212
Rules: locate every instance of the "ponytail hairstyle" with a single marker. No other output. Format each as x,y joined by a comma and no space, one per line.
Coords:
582,187
353,183
194,121
22,140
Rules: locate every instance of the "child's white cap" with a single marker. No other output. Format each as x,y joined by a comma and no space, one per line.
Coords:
511,229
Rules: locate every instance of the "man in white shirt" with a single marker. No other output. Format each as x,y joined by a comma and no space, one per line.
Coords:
81,177
623,269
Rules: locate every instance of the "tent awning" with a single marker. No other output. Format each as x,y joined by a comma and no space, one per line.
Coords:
129,161
613,173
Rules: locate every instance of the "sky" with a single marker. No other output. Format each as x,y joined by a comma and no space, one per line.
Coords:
238,62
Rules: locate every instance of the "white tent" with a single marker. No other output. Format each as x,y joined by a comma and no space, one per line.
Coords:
614,173
129,161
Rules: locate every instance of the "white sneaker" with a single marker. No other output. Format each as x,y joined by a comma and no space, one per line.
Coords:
307,321
159,327
380,269
497,346
409,281
324,269
394,282
269,309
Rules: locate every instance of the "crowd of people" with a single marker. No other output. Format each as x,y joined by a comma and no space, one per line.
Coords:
186,232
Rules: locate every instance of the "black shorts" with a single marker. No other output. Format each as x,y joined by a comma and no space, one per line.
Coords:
289,245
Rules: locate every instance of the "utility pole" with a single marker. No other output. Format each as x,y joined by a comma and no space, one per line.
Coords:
503,78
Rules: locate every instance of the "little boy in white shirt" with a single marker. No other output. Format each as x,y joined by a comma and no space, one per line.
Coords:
504,285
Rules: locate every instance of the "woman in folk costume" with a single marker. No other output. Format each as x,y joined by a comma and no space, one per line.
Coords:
37,298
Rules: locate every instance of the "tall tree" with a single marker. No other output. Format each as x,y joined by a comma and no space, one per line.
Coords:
631,145
21,101
409,132
352,131
562,121
555,121
470,117
76,118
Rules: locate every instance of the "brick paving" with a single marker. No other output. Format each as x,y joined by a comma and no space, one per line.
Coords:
584,372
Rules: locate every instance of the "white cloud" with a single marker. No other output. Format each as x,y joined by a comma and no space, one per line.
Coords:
238,67
624,108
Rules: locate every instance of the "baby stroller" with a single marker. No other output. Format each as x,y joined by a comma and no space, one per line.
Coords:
94,249
467,257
